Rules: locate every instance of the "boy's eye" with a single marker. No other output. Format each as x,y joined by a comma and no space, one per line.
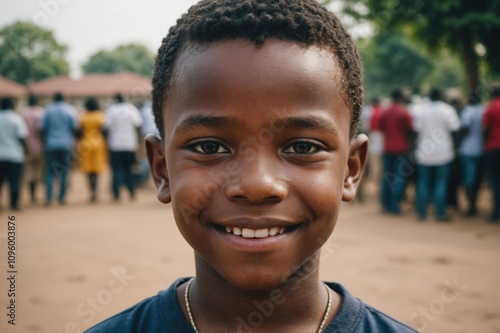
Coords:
209,148
302,148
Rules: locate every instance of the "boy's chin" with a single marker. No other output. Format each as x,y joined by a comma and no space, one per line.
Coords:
262,279
255,282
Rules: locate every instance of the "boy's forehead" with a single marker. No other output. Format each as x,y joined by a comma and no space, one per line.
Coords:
290,59
286,72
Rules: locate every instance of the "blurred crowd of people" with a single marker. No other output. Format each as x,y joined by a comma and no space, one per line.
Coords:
42,145
439,147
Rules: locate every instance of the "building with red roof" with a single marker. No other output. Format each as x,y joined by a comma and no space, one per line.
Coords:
12,89
134,87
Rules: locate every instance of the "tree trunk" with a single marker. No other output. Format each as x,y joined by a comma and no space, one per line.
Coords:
471,63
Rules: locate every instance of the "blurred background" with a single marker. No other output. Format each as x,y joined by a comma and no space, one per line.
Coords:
70,252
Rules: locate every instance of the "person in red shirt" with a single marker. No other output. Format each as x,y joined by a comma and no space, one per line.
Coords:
396,126
491,123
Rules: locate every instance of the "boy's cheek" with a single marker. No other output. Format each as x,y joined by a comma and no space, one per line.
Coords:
192,193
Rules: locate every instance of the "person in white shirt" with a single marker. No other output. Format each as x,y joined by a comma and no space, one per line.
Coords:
13,132
434,122
122,126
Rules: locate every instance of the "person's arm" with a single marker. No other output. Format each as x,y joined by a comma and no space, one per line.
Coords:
462,133
379,124
411,134
22,133
486,123
78,133
104,132
42,127
75,124
416,119
106,124
140,137
25,146
453,124
465,123
137,119
452,119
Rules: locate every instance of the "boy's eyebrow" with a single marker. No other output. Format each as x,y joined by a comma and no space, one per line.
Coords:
197,120
310,122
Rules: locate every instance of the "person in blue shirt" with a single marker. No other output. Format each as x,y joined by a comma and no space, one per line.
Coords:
58,127
257,104
471,149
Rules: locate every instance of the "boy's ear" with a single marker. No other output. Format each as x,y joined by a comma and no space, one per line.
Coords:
355,165
158,165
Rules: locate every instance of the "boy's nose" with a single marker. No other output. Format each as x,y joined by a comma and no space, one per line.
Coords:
258,183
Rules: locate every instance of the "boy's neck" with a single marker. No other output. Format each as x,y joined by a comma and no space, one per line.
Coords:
298,304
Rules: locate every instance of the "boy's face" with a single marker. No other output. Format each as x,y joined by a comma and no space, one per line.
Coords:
256,142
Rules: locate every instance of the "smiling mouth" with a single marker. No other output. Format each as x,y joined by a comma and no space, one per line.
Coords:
255,233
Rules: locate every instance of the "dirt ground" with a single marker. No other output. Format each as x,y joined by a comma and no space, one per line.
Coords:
78,264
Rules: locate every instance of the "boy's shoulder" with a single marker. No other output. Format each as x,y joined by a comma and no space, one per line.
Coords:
354,316
162,313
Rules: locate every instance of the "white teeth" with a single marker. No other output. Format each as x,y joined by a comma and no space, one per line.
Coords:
261,233
255,233
248,233
274,231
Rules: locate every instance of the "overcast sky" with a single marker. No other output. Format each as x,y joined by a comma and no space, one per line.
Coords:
87,26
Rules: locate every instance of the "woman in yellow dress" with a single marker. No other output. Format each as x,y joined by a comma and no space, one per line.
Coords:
92,146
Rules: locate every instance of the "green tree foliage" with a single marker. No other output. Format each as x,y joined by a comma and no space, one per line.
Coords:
447,71
460,25
29,53
390,61
132,57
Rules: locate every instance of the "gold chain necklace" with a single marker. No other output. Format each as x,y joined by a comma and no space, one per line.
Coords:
195,328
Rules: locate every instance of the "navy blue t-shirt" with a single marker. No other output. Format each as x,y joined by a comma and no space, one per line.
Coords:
162,314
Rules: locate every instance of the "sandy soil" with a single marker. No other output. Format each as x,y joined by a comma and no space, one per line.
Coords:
81,263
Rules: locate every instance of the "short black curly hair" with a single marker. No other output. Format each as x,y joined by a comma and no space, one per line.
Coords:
305,22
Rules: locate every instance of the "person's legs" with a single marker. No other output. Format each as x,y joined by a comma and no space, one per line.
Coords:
4,171
476,184
455,175
468,172
387,181
423,183
493,163
93,186
50,172
360,193
32,188
402,171
63,162
441,189
117,173
28,175
130,173
375,161
34,170
15,183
